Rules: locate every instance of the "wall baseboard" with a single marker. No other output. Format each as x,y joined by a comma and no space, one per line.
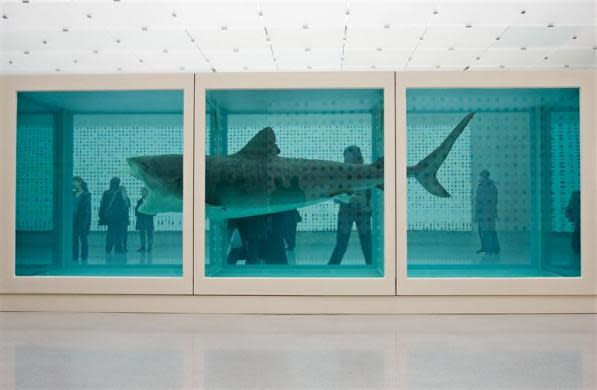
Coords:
300,304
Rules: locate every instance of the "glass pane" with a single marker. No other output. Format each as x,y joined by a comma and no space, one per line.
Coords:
293,183
506,198
99,183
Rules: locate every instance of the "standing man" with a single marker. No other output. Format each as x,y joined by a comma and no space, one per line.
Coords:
357,210
144,224
485,214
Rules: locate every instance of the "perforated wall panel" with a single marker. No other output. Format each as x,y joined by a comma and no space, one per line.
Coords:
103,142
35,141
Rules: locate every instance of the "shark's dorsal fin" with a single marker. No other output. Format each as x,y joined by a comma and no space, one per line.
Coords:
263,144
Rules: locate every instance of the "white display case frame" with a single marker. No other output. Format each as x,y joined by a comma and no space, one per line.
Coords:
585,80
295,285
9,282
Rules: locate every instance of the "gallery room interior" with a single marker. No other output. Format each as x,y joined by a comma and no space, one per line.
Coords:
331,194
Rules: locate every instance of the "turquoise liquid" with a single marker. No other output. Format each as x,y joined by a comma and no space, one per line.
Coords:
311,125
528,140
90,134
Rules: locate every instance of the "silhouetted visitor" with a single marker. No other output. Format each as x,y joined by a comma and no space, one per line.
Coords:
144,224
485,214
356,211
113,213
573,215
272,249
124,232
81,219
290,220
253,232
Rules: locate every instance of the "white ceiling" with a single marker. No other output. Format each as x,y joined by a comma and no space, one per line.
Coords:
133,36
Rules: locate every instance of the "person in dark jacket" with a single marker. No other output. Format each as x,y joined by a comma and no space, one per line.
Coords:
485,214
144,224
573,215
81,219
124,231
356,211
113,213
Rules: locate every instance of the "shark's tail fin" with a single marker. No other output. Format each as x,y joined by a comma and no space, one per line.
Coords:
426,170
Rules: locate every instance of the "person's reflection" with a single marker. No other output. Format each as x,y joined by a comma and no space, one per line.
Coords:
573,215
81,219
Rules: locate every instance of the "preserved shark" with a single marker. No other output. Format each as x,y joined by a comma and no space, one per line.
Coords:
256,180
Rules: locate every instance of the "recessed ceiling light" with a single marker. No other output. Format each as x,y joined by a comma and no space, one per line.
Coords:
435,11
144,28
118,41
372,66
75,61
95,51
26,52
44,42
469,25
305,26
574,37
25,1
116,1
165,51
57,69
497,38
224,28
478,58
64,29
174,14
275,59
245,67
550,25
307,49
437,66
386,26
309,67
260,13
119,69
4,16
213,70
347,12
89,16
10,62
182,68
379,49
523,12
523,48
566,66
594,47
140,59
235,50
467,68
451,48
421,38
502,66
546,58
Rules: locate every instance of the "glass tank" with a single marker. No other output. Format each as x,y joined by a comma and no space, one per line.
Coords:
99,183
294,183
493,182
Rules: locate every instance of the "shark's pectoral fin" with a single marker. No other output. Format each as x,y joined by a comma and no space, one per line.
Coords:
157,202
263,144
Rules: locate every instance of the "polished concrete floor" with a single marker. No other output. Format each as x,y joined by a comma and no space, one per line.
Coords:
139,351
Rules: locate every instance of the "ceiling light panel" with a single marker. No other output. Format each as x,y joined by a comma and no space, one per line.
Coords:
329,14
559,12
586,36
444,36
233,37
322,37
393,13
575,58
443,57
476,12
215,14
513,58
535,36
398,37
289,59
387,59
228,60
